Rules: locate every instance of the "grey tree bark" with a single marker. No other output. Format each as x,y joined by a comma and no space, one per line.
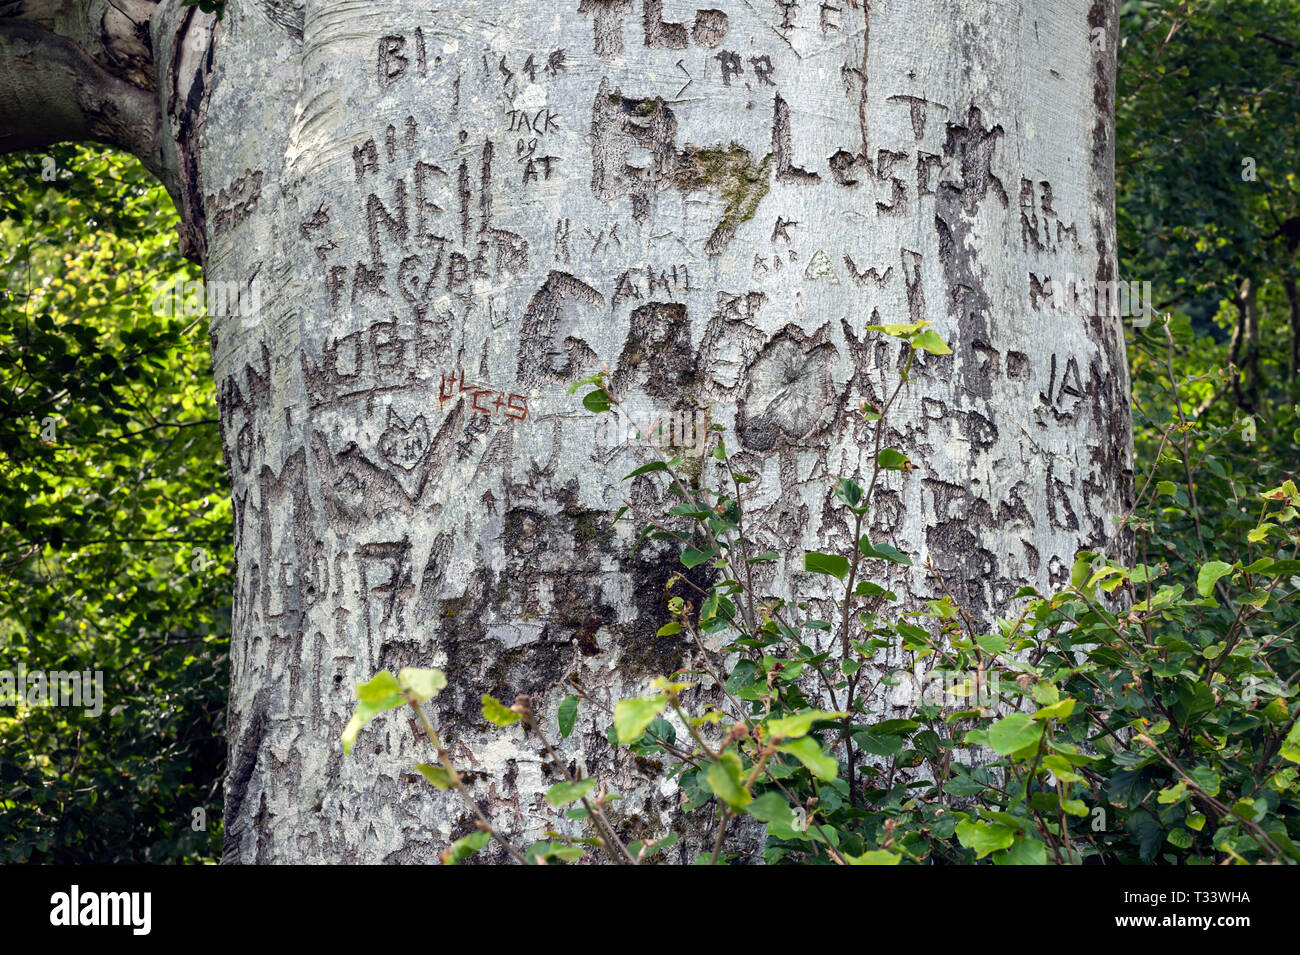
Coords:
447,213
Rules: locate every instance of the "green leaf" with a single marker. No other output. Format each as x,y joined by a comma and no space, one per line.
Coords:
562,794
1057,711
771,807
437,775
1103,574
597,401
592,380
723,777
1209,575
834,565
848,491
866,588
423,684
646,469
1081,569
494,711
893,727
898,331
891,460
567,714
553,850
693,558
1075,807
379,694
1062,769
1173,794
1291,745
1026,850
380,687
929,341
874,857
631,717
644,851
1257,534
808,752
792,727
984,837
1206,778
1013,733
883,552
463,848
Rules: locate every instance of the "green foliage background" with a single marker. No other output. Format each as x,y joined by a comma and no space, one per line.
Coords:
115,535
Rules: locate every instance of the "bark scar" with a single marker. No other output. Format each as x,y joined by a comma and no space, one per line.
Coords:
187,75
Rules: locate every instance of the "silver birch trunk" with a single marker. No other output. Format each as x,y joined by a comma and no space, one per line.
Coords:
434,218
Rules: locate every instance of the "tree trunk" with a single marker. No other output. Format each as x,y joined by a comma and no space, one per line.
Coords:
1289,232
437,221
1243,350
1293,324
